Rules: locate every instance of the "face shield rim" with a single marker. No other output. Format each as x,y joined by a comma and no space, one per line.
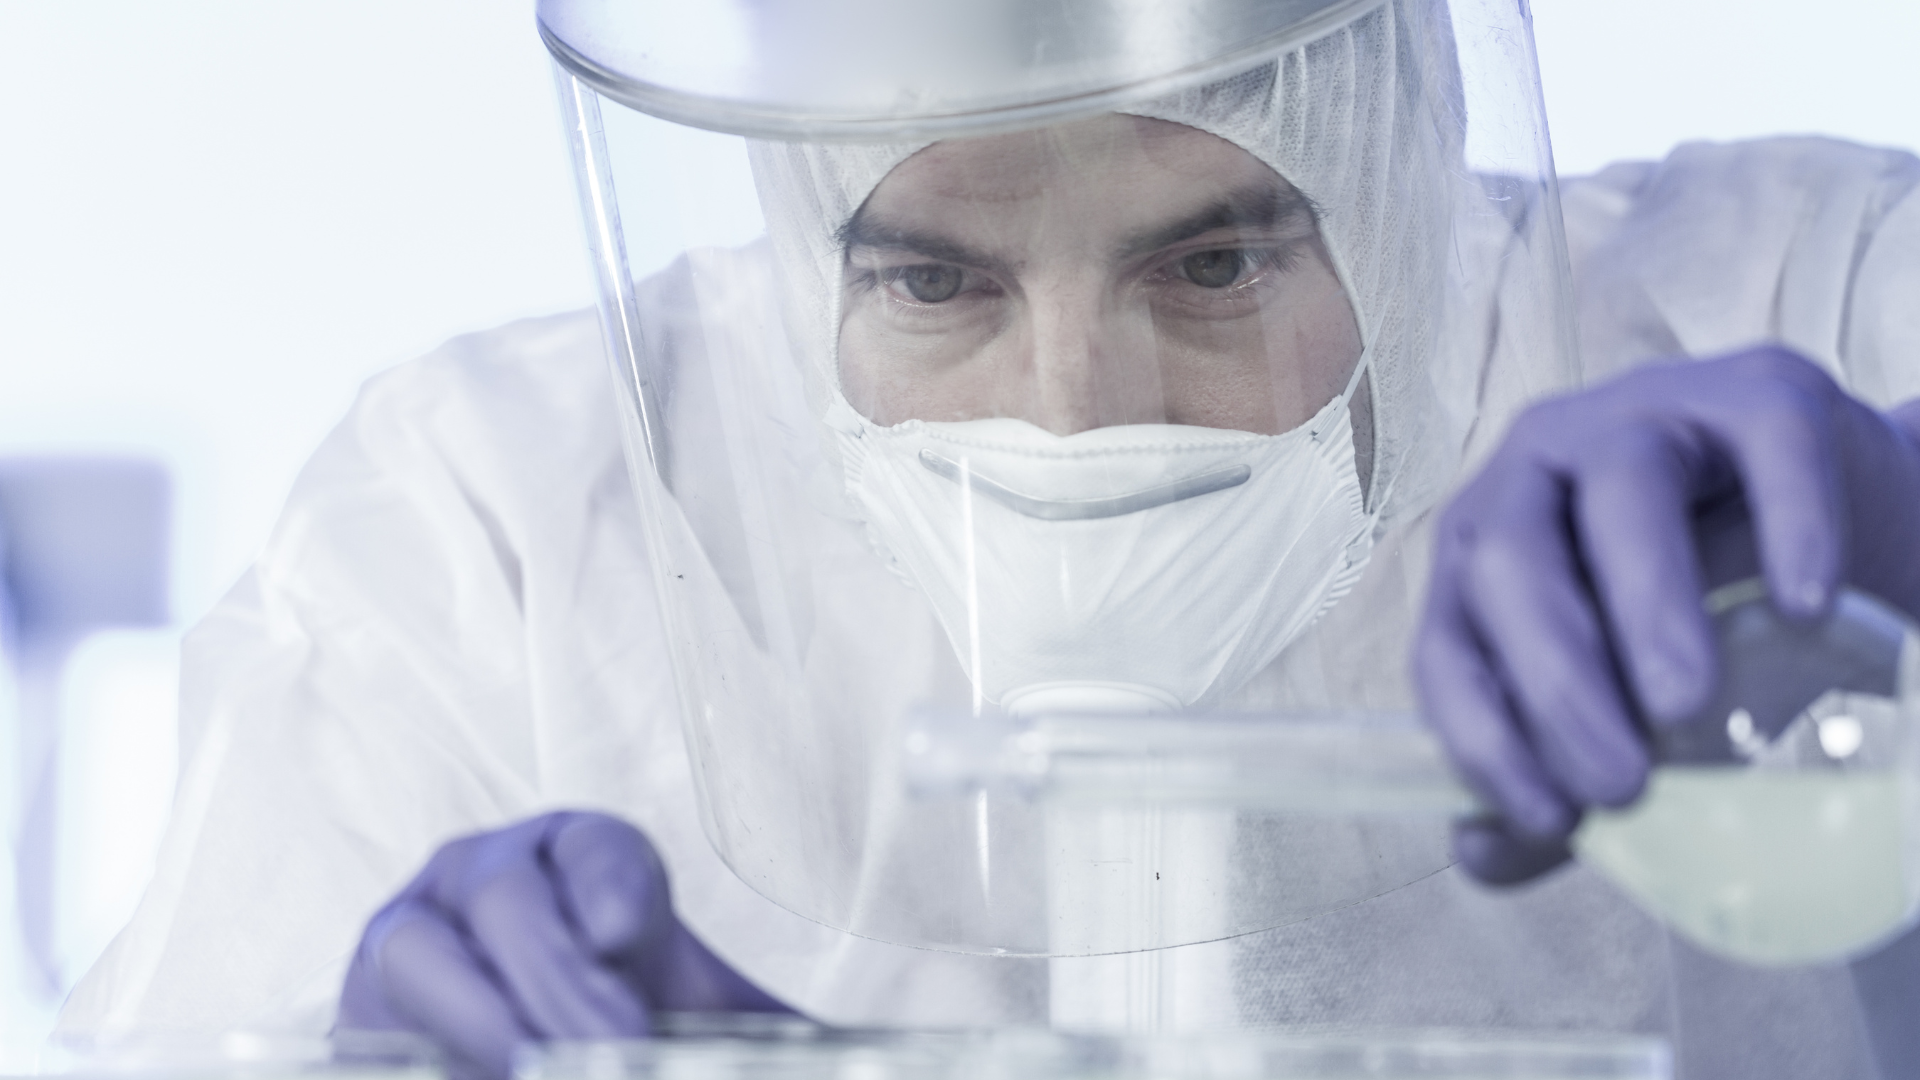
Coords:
771,120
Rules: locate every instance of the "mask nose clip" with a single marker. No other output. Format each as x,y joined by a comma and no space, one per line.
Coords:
1088,509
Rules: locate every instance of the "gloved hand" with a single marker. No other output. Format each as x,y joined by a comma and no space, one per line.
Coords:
558,927
1565,607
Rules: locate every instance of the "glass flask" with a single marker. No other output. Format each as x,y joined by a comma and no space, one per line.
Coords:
1779,826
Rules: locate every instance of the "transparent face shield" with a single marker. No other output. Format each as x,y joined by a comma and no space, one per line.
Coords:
961,384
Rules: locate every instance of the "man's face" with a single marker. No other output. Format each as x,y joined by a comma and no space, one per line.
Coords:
1112,271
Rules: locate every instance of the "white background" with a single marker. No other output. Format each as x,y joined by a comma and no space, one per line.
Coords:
217,217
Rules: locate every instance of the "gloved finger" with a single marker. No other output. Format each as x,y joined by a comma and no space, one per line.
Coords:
618,894
1881,459
428,975
1774,423
1906,417
1723,535
612,884
1493,853
1462,698
1633,496
683,975
1528,603
499,889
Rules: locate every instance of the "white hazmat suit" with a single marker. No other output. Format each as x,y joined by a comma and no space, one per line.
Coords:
452,629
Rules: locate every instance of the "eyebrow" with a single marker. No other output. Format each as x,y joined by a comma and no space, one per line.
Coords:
865,231
1266,206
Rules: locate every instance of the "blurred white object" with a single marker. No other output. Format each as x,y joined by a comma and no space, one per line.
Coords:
119,711
252,1055
87,550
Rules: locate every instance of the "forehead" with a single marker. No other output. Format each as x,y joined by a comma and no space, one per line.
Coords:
1116,157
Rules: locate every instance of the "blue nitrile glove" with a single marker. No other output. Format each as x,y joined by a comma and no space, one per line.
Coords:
558,927
1565,608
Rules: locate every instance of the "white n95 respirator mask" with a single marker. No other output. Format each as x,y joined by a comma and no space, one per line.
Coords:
1131,568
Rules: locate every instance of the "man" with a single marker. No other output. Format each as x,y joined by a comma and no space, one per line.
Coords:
450,633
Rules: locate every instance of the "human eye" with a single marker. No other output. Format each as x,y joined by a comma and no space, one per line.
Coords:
1213,269
930,283
1226,268
1221,280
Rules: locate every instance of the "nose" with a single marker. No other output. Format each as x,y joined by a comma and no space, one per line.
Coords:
1089,363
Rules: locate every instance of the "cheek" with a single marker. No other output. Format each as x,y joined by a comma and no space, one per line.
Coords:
1317,343
890,373
863,369
1217,375
1267,373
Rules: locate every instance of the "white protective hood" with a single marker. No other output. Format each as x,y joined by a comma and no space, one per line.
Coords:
1364,121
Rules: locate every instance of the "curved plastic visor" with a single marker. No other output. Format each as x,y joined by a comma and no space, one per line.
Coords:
755,373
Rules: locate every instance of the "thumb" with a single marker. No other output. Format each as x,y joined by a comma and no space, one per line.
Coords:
1496,856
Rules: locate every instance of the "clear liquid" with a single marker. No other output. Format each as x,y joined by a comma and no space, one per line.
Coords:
1769,867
